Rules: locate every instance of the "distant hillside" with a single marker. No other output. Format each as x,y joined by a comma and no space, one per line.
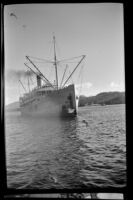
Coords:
104,98
12,106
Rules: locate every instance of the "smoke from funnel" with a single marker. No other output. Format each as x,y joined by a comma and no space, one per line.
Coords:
17,74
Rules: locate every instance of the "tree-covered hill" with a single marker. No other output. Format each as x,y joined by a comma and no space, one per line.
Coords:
104,98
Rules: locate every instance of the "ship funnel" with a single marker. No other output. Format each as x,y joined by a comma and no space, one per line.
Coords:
38,80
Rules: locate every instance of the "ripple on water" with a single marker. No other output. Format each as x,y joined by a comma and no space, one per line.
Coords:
67,153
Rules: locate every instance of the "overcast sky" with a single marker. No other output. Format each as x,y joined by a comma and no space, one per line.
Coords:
94,30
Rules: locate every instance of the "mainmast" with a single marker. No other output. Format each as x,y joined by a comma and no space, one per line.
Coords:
55,63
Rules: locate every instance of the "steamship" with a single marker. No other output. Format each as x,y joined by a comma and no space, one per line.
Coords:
47,98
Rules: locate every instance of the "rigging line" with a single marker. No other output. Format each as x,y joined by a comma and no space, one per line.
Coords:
74,69
28,81
62,67
71,76
58,61
55,63
63,75
81,81
50,49
31,80
23,86
50,72
72,62
19,90
41,62
33,83
80,72
34,72
41,59
58,49
39,71
70,58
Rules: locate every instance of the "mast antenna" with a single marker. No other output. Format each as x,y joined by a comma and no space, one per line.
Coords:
55,63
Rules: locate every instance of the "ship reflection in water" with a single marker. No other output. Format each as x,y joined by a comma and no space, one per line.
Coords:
62,153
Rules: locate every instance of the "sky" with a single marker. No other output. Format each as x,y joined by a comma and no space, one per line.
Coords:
92,29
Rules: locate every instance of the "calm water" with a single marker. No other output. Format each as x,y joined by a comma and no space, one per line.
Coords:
67,153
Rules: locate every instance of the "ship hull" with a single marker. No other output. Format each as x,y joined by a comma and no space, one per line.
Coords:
62,102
